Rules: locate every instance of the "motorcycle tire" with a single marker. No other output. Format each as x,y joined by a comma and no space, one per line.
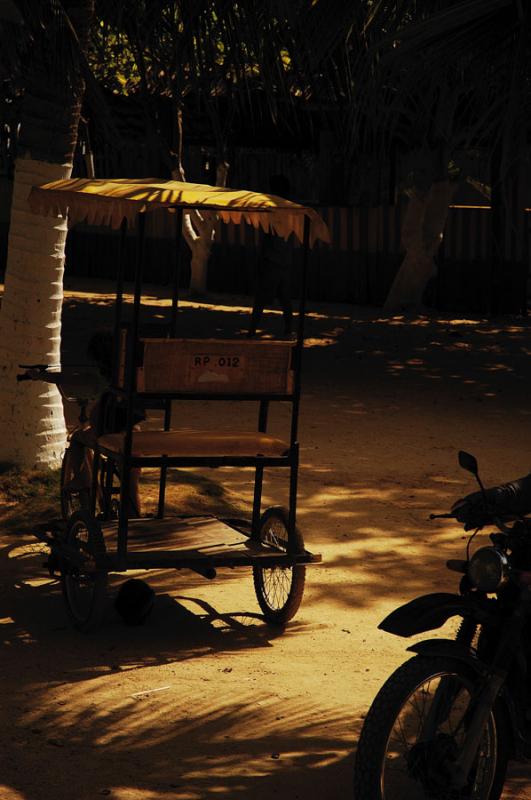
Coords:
423,771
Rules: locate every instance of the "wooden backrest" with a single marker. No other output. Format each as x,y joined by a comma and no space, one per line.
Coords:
215,366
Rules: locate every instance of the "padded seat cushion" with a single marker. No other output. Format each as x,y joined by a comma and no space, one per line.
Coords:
197,443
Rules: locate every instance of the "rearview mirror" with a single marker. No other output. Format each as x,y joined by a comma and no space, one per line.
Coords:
468,462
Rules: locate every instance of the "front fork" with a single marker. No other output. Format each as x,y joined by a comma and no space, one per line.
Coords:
489,688
446,691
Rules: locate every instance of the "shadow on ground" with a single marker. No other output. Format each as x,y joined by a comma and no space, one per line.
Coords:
172,740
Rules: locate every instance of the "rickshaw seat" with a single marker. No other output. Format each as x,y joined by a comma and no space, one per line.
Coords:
197,443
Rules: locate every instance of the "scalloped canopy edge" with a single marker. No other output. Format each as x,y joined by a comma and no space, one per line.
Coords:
108,202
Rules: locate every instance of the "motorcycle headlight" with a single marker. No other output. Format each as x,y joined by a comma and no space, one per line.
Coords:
488,569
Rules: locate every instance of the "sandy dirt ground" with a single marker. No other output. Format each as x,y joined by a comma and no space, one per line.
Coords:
205,700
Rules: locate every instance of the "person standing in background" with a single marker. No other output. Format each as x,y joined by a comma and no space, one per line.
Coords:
273,280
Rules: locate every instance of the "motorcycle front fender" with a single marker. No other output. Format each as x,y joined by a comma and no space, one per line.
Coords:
443,648
429,612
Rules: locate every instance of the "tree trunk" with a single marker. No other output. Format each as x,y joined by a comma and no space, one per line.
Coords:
198,230
31,414
422,232
201,248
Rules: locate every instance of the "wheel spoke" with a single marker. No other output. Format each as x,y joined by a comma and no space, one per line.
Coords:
277,585
413,701
403,734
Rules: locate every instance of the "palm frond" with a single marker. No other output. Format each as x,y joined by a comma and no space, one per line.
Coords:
460,54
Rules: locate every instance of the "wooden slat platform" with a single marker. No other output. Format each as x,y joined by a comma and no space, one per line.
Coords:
204,542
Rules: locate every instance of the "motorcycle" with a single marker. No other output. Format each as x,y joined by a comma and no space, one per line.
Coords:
446,723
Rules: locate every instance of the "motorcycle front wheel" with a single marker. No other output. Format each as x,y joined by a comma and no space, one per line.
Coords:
414,732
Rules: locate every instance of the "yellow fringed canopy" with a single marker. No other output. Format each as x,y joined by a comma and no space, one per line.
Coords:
108,202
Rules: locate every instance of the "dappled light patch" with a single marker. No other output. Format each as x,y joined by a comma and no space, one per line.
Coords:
191,492
8,791
101,698
498,368
342,334
224,745
27,550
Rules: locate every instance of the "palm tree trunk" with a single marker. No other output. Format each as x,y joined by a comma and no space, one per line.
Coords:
31,414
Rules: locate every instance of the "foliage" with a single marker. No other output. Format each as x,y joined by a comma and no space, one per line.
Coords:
27,497
29,24
17,485
442,75
232,58
111,60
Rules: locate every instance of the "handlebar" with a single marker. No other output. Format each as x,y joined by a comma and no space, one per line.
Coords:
500,520
40,367
33,367
82,402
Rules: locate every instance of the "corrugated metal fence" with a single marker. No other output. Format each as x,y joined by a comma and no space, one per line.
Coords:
358,266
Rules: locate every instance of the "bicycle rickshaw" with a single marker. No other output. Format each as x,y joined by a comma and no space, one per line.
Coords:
90,544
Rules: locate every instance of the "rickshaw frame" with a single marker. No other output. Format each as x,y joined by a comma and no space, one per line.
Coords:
127,390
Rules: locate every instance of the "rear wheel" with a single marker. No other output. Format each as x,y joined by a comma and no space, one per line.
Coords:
83,573
414,733
279,589
72,500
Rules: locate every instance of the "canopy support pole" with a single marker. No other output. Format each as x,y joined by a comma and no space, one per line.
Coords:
119,304
130,388
176,270
176,276
294,445
259,472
